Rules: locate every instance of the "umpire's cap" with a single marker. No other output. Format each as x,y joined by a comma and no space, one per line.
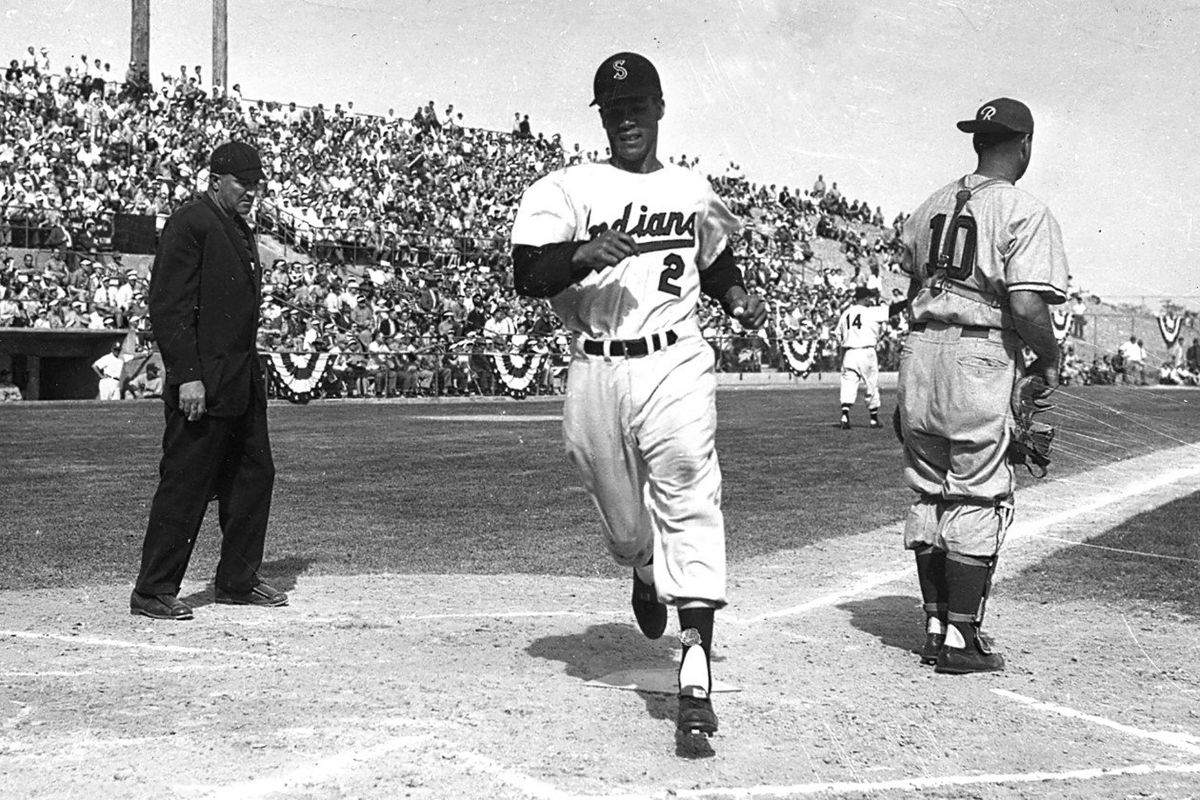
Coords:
625,75
237,159
1002,115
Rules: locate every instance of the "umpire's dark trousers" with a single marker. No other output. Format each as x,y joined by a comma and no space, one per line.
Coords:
229,457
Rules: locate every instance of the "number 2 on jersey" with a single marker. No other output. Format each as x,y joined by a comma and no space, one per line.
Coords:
673,271
966,259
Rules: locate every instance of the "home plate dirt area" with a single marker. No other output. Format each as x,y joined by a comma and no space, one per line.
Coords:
524,685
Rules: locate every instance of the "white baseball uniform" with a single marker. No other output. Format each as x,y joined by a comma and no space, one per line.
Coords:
641,429
859,328
109,367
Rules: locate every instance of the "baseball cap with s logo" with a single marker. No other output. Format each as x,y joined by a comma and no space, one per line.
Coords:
625,75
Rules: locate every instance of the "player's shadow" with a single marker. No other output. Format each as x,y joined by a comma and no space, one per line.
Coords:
280,573
895,619
611,647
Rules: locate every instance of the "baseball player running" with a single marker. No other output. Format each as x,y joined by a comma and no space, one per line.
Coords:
986,260
858,329
623,250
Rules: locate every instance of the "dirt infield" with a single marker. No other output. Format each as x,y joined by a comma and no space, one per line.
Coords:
457,686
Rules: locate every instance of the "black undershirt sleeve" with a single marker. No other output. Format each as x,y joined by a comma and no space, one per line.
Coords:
547,270
721,276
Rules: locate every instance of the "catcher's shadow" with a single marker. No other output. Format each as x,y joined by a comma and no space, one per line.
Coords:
895,619
611,647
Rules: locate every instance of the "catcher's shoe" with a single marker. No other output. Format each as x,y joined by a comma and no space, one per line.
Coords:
977,656
651,615
696,715
929,650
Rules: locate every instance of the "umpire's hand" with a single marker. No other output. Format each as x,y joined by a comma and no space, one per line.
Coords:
191,400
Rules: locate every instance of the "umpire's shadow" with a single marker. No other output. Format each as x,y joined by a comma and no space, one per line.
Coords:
280,573
895,619
611,647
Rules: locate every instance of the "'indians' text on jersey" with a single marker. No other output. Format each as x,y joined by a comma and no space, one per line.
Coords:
678,221
1005,240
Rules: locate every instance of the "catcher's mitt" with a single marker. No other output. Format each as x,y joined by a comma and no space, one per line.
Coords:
1031,440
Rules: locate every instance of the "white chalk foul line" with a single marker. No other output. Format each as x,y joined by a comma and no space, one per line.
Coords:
1019,530
321,771
121,643
1107,497
871,581
1187,742
526,784
917,784
123,672
1113,549
327,769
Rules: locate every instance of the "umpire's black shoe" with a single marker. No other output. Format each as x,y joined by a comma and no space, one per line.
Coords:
651,615
696,715
933,645
977,656
159,606
261,595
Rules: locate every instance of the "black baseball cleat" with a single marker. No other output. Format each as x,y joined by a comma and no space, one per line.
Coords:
975,657
875,422
845,423
696,715
929,650
650,614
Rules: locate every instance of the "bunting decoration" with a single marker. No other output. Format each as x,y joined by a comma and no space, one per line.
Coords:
1060,320
799,355
517,371
518,368
1169,326
299,377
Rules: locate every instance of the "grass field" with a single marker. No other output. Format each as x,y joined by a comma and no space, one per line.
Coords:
451,602
370,487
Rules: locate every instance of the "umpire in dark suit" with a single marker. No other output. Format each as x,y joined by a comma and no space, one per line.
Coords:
205,291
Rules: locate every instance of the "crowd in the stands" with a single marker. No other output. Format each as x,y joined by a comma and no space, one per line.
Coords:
384,212
394,229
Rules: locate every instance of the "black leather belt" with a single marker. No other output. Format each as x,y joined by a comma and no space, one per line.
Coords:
630,348
970,331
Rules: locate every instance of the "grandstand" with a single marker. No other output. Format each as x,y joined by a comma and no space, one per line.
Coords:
381,229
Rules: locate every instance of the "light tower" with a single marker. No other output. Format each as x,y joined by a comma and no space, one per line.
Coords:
220,51
139,36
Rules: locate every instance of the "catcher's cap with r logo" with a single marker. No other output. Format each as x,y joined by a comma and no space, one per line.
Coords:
1002,115
625,75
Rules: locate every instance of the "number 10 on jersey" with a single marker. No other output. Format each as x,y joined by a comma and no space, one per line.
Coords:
958,262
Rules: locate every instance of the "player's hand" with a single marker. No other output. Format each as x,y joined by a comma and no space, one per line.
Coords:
606,250
191,399
748,309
